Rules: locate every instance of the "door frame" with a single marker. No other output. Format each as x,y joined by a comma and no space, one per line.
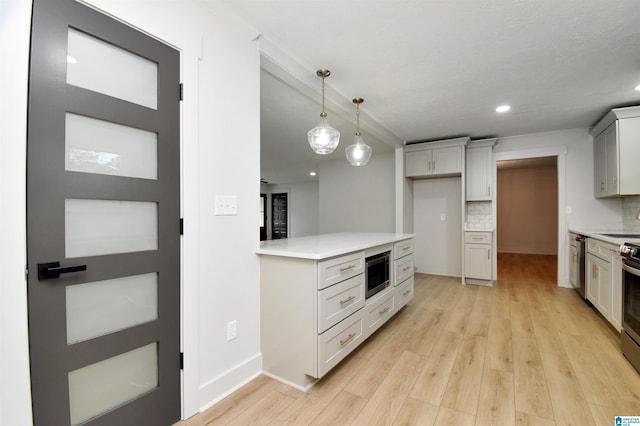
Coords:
563,246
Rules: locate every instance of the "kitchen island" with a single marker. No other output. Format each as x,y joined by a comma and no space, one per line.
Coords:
312,297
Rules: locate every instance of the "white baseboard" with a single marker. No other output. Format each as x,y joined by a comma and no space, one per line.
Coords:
218,388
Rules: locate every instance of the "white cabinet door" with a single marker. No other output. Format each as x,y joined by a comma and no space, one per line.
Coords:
603,275
593,285
611,155
417,163
447,160
616,292
599,284
479,176
477,261
600,166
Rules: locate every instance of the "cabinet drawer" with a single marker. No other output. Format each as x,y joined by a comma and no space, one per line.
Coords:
337,342
602,249
378,312
402,248
337,302
404,293
403,269
477,237
338,269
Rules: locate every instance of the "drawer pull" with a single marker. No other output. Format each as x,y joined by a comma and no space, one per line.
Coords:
347,300
406,248
406,292
406,268
477,238
348,339
347,268
384,311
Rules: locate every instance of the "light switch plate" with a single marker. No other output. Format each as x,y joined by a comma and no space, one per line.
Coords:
226,205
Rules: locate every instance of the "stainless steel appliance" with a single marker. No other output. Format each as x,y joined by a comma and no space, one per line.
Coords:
581,280
630,337
377,273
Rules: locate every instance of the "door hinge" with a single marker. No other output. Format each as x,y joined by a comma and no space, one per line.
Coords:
181,91
181,226
181,361
26,272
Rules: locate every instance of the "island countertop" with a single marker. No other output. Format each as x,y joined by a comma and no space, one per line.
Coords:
324,246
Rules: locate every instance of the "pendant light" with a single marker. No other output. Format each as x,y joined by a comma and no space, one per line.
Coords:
359,153
324,138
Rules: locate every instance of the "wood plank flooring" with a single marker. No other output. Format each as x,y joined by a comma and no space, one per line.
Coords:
523,352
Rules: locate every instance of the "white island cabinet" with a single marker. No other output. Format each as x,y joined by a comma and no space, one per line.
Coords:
312,300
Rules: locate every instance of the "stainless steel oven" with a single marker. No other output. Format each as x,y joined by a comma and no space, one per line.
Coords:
377,273
630,337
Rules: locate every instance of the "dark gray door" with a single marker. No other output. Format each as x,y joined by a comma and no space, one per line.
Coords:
103,194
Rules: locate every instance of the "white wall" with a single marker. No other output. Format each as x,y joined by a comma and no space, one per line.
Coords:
404,196
15,391
437,242
303,204
220,282
527,206
358,198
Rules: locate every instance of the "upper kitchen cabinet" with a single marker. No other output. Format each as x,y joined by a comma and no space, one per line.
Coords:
435,159
616,152
479,176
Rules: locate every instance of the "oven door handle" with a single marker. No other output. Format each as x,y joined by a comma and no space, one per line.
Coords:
632,271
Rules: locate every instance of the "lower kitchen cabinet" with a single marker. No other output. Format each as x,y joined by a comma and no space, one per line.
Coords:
477,257
604,280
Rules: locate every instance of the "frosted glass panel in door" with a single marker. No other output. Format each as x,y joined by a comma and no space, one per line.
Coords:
99,387
98,308
99,227
97,146
102,67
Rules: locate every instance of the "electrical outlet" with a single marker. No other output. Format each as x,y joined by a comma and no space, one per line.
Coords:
443,216
231,330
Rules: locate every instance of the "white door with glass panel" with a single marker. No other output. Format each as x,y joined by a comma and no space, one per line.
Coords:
103,196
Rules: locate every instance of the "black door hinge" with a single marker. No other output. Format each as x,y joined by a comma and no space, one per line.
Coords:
181,91
181,361
181,226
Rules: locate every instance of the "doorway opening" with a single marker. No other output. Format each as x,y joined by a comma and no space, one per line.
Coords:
527,219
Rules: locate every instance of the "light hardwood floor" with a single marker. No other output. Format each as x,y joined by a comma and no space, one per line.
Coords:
524,352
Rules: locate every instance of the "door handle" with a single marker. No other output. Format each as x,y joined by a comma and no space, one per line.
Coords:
50,270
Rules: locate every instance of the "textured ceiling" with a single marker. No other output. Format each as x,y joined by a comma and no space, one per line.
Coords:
437,69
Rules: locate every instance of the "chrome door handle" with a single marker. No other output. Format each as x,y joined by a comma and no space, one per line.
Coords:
49,270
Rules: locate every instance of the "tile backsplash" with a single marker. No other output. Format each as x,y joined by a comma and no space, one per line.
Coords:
479,215
630,209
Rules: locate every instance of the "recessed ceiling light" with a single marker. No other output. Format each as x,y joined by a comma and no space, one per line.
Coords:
71,60
312,174
503,108
638,87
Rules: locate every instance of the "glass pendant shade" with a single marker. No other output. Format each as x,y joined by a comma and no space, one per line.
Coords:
359,153
324,138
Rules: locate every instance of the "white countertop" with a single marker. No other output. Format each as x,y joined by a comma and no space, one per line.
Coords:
328,245
599,234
